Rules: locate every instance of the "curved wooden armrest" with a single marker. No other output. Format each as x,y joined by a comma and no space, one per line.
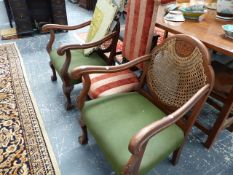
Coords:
49,27
79,71
61,50
52,27
139,140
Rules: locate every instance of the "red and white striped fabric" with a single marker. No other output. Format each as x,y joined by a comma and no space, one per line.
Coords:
140,22
112,83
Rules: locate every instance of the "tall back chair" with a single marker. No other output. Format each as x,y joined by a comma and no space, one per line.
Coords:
139,27
138,36
85,54
145,126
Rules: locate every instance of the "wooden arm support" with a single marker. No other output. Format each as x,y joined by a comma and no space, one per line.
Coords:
61,50
49,27
53,27
82,70
139,141
143,136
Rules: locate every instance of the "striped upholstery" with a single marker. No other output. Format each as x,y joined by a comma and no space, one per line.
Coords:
112,83
140,22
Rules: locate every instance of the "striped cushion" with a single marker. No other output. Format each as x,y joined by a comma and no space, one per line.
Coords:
140,22
112,83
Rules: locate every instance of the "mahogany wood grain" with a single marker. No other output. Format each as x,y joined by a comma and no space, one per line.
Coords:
49,27
54,27
209,30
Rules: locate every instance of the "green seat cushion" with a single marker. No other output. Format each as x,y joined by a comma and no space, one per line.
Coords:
114,119
77,59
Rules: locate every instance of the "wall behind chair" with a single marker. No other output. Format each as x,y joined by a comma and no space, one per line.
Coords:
4,22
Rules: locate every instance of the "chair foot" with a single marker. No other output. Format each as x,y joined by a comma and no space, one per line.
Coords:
176,155
68,106
83,139
212,137
67,91
208,144
54,76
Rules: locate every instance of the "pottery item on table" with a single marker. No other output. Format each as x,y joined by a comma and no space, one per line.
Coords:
228,29
225,9
176,16
211,4
194,12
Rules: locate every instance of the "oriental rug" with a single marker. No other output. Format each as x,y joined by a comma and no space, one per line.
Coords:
24,145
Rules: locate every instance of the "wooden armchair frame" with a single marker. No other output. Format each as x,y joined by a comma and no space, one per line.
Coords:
66,49
184,116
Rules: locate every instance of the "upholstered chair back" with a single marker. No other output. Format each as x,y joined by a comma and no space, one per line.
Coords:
140,22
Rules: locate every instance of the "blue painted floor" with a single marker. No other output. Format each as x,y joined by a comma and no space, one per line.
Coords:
63,128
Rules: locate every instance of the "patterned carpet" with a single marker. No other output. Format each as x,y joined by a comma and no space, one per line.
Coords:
63,128
24,146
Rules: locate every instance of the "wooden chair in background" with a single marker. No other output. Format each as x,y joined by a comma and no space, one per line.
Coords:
139,129
138,32
221,98
80,54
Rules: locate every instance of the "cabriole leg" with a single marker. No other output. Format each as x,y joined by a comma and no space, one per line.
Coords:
83,139
54,76
67,91
176,155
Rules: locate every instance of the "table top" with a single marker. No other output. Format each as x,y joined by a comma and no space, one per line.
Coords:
209,30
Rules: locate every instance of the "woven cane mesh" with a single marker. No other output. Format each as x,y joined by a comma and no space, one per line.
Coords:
175,79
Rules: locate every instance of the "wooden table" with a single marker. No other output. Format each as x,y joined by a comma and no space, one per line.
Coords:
209,30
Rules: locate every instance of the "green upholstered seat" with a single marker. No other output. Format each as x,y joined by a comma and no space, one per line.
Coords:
77,59
114,119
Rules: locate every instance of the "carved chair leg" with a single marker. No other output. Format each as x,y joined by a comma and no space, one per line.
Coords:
54,76
67,91
83,139
176,155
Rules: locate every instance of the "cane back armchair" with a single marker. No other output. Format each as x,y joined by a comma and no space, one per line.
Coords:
145,126
81,54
